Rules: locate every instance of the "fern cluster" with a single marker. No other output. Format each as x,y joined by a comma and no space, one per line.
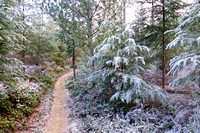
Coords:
119,62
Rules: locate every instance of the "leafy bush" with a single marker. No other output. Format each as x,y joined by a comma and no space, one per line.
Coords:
15,105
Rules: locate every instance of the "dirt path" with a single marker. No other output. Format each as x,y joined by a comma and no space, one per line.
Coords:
57,122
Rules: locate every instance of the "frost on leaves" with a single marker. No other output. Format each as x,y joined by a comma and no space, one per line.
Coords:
187,38
118,61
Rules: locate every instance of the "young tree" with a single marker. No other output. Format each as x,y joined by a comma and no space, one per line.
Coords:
118,61
22,5
71,39
40,34
164,16
188,37
140,24
72,29
42,41
9,43
91,12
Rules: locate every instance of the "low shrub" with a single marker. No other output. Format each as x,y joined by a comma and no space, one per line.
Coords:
17,101
15,105
97,115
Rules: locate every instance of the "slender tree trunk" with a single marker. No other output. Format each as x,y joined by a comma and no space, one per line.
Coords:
152,12
164,51
124,13
40,55
89,34
121,17
23,52
73,61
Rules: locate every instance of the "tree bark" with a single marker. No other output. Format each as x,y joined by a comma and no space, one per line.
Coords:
23,52
152,12
23,41
89,34
163,44
124,13
73,61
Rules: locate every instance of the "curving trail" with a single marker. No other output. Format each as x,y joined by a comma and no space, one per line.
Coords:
57,122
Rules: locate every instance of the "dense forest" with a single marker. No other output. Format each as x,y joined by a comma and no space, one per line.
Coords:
136,73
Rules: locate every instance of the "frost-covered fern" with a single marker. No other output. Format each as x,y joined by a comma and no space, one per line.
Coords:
118,61
187,37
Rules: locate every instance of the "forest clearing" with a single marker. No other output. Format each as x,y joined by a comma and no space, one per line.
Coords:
100,66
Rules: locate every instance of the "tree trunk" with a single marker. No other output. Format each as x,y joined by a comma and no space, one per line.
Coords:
23,52
73,61
23,41
152,12
89,34
164,51
124,13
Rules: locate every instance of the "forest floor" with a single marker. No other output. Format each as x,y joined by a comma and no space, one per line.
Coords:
93,114
62,116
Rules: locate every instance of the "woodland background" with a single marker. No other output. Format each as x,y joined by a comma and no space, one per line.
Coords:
142,76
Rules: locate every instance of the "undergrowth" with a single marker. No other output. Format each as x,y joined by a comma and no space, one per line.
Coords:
98,115
17,102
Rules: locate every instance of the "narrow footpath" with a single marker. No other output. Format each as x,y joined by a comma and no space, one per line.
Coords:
57,122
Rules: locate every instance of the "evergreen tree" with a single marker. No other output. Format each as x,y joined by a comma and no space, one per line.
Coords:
23,5
118,61
90,13
42,41
72,41
187,36
140,24
40,34
72,29
164,16
9,43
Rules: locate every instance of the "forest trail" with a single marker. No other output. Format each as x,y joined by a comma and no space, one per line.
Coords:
57,122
